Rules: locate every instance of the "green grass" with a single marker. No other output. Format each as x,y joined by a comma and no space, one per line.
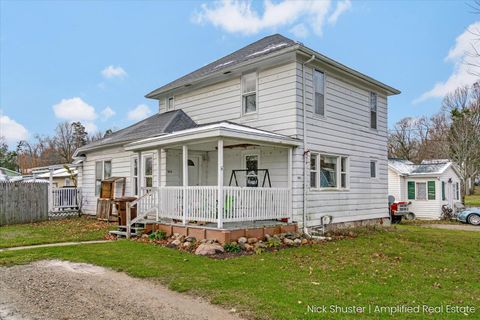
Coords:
408,265
474,199
75,229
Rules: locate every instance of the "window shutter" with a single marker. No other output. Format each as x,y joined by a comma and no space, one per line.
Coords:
431,190
443,191
411,190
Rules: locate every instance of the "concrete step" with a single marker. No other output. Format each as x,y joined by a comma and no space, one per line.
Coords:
122,233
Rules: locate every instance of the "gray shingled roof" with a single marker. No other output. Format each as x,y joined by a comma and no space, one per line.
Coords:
262,47
158,124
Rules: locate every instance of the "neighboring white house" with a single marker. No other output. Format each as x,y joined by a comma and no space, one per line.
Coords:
60,177
428,186
317,126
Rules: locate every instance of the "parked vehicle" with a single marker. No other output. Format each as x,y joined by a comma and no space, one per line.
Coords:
399,210
469,215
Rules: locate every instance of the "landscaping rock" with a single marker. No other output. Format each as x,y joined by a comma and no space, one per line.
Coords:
267,237
187,244
288,241
252,240
297,242
190,239
242,240
247,247
304,241
260,245
176,242
207,249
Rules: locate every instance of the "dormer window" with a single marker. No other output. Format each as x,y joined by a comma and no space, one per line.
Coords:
249,93
170,103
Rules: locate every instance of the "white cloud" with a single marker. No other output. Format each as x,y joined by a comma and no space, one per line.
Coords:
107,113
12,130
300,30
237,16
342,6
74,109
461,55
114,72
139,113
90,127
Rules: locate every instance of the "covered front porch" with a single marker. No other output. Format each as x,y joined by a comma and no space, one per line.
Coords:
217,176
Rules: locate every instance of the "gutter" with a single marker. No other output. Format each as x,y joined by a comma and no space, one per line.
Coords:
305,147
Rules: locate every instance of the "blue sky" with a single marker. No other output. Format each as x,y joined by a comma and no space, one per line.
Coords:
94,61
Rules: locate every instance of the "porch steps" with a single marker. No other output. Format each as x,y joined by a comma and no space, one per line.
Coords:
135,231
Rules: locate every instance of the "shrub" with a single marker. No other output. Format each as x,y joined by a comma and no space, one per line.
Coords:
158,235
273,242
232,247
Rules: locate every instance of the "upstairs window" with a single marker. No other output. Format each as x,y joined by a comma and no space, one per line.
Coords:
319,84
249,93
373,110
170,103
373,169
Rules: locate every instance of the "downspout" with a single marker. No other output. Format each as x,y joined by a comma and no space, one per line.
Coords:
305,147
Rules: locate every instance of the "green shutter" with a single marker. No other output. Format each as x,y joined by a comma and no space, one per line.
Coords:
431,190
411,190
443,191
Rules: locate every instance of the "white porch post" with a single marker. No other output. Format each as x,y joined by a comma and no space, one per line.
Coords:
139,173
290,182
185,181
50,190
220,184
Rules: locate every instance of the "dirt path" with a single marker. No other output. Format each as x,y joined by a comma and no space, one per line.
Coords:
65,290
465,227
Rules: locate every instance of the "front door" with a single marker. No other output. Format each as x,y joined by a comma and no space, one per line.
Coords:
194,171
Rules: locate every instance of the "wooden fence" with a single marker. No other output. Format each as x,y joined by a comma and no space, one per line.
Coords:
23,202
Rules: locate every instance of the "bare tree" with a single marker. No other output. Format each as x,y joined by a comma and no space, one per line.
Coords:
464,133
402,141
65,141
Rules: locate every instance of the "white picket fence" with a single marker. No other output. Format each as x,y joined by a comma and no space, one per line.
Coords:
239,204
65,198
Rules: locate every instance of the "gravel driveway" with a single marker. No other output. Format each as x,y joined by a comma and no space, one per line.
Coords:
65,290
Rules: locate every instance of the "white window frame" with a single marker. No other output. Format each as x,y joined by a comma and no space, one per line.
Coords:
324,94
243,94
370,168
144,167
169,107
370,105
97,192
339,172
317,170
132,174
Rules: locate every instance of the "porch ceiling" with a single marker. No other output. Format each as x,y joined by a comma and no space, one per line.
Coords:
201,137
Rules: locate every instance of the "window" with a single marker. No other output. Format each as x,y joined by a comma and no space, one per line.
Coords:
319,83
170,103
67,182
373,169
421,191
328,171
431,190
249,93
135,175
343,172
457,191
373,110
313,171
103,170
148,172
443,191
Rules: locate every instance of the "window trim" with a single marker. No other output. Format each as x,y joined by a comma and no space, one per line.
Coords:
167,100
373,93
243,94
338,172
103,174
144,176
132,174
324,93
370,168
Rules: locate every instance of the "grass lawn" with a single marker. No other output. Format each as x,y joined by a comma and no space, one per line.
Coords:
474,199
74,229
408,265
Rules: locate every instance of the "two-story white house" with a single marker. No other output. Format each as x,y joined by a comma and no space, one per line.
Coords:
273,131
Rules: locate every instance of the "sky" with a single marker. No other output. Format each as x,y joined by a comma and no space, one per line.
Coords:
94,61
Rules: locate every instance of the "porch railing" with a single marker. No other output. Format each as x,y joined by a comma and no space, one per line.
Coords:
239,203
63,198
